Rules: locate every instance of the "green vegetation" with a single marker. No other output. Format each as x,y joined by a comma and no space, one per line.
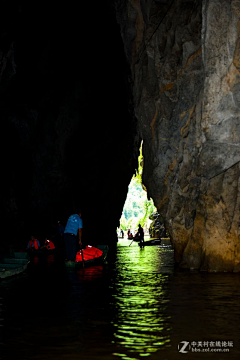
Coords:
137,207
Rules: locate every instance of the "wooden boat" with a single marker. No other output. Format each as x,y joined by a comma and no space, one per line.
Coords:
136,239
151,242
96,260
13,266
93,261
104,249
21,255
40,252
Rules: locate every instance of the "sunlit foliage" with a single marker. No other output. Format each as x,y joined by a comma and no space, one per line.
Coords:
137,207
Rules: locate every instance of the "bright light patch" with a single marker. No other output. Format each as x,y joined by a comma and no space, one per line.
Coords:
137,207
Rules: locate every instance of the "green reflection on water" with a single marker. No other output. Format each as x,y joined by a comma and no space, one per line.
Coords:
141,323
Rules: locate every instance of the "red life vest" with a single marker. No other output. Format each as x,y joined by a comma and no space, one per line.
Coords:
89,253
35,244
50,245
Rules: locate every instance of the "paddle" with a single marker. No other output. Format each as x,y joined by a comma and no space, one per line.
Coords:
80,244
81,249
131,242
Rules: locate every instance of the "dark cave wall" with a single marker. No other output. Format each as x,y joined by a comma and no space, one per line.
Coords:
184,58
69,135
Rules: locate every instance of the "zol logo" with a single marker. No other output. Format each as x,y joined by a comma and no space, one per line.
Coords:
184,347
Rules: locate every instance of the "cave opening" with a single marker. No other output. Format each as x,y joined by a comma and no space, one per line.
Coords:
139,208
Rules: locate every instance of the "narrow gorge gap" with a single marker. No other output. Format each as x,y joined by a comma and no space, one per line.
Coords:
139,209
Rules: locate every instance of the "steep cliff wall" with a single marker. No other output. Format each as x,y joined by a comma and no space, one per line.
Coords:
184,57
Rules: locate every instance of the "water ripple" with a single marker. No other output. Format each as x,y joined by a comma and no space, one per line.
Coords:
139,298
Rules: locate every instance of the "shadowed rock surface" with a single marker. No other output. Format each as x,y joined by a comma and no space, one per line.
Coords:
69,136
184,58
157,228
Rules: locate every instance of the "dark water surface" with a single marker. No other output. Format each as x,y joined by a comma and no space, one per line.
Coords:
136,307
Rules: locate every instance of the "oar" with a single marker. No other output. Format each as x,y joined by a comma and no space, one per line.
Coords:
81,249
80,243
131,242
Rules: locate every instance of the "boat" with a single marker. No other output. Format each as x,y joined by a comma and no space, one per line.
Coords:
13,266
21,255
150,242
134,238
91,256
40,252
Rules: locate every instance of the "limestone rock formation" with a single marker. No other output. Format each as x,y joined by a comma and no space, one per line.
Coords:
157,228
185,60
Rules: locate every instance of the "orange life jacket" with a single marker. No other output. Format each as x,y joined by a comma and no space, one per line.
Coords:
35,244
50,245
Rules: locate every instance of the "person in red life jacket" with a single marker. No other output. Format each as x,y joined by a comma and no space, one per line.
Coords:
33,244
49,245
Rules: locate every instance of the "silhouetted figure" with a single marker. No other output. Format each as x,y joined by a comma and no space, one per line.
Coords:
72,234
58,238
140,234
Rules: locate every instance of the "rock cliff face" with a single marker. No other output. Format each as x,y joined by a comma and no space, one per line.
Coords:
184,58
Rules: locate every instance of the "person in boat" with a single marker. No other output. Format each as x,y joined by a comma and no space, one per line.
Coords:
48,245
59,236
33,244
73,235
136,237
130,236
140,234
